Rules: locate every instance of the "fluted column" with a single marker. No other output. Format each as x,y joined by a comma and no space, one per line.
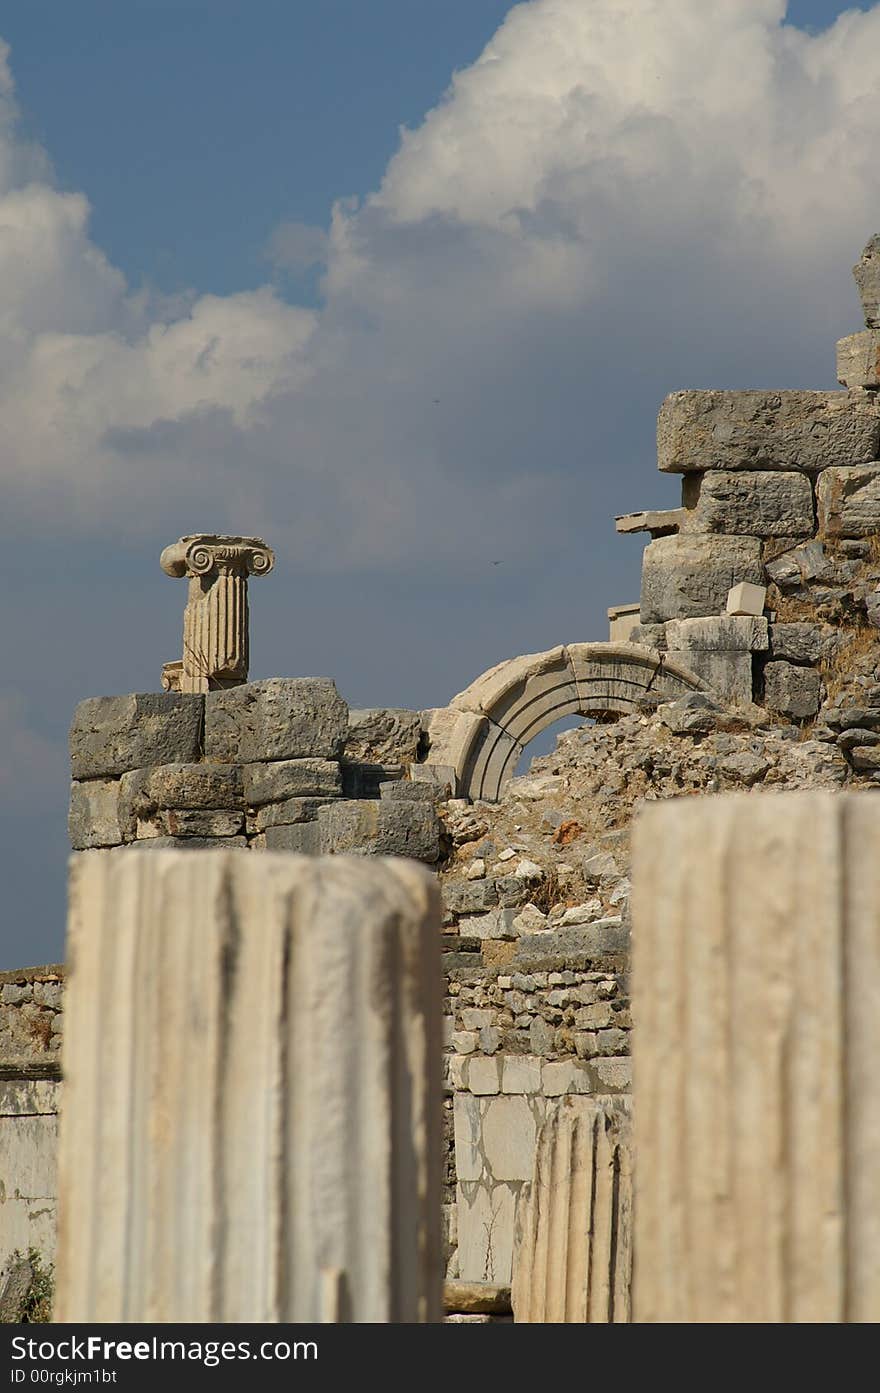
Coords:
215,621
757,1034
572,1258
252,1115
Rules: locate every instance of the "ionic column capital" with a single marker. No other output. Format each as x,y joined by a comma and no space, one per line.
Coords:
207,553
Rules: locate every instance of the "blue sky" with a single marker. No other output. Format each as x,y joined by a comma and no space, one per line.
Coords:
614,199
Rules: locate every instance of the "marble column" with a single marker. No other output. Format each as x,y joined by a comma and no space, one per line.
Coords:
215,621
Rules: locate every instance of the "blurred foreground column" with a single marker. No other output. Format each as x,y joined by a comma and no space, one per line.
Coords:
572,1257
251,1117
756,935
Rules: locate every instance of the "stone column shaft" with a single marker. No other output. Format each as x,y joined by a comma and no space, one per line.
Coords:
251,1122
572,1258
757,1011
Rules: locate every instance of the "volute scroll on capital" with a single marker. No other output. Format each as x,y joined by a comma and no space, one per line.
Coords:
204,553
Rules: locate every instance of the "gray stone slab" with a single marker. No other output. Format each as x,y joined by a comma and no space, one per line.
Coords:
188,844
194,786
688,576
302,837
93,819
383,735
111,735
279,719
867,277
766,430
792,691
588,941
849,501
195,822
760,504
403,790
799,642
858,359
727,673
291,778
285,814
380,829
721,634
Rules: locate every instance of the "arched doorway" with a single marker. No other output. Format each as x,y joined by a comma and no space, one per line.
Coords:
483,731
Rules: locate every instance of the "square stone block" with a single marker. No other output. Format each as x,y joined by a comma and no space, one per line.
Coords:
746,599
281,718
849,501
509,1130
690,575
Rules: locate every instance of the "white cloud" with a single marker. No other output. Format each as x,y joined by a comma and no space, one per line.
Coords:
617,199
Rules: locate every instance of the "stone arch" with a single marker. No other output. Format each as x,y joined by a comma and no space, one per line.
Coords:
482,733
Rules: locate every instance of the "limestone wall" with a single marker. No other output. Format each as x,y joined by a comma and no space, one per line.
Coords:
30,1040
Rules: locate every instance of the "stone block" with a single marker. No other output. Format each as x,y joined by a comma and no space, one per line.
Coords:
760,503
281,718
591,941
520,1073
690,575
746,599
93,819
193,822
384,735
194,786
467,1128
483,1076
658,522
284,814
799,642
766,430
756,979
111,735
792,691
380,829
301,837
469,897
849,501
291,778
858,359
867,277
622,619
612,1075
163,843
509,1132
722,634
405,791
225,1157
572,1259
565,1076
728,674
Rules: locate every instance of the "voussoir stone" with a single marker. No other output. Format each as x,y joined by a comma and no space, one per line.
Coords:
111,735
280,718
291,778
763,503
766,430
849,501
689,575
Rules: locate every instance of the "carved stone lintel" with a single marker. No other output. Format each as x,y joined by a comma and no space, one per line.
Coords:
215,621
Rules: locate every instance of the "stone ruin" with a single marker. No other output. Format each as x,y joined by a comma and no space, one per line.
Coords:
760,594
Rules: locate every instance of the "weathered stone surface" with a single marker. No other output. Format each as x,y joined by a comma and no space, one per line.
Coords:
192,822
380,829
849,501
591,940
867,277
690,575
509,1131
281,718
284,814
792,691
163,843
659,522
405,791
722,634
385,735
858,359
800,642
278,1170
572,1259
15,1283
622,619
754,504
28,1194
766,430
301,837
756,978
194,786
804,562
476,1297
93,819
111,735
726,672
695,714
291,778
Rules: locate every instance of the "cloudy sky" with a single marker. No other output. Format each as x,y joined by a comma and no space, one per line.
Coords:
400,287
